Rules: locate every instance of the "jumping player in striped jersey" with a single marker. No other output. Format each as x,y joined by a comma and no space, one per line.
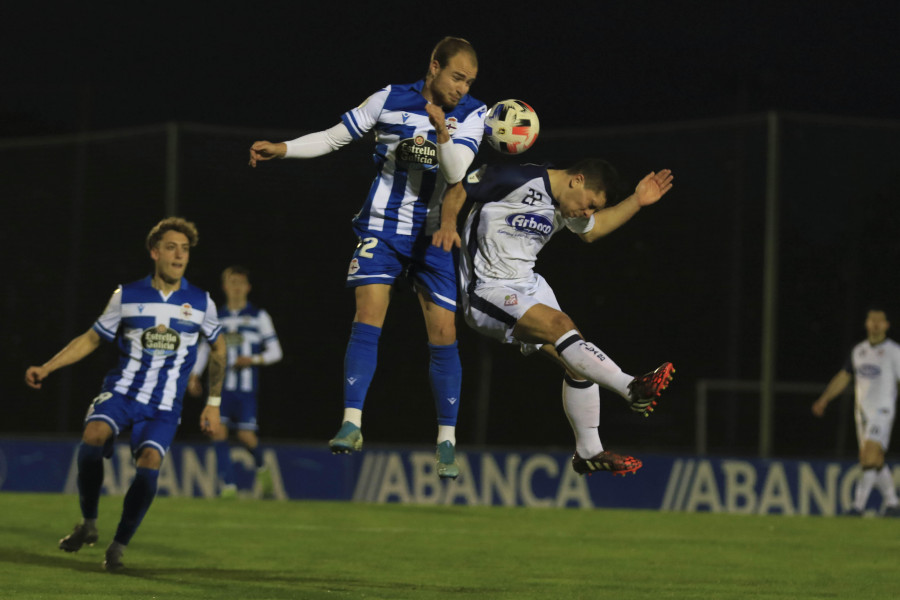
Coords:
155,323
427,134
251,343
517,210
875,366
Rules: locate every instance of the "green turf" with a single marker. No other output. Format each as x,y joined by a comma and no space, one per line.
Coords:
190,548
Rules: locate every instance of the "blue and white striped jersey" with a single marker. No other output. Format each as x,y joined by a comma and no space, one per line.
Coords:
248,332
157,337
408,189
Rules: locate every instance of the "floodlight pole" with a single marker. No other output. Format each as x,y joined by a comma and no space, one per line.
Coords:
770,290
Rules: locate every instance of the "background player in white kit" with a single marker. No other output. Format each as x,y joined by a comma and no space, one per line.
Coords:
875,364
517,210
427,135
156,323
251,343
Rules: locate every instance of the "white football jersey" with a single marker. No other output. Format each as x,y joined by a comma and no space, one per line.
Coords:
514,216
876,370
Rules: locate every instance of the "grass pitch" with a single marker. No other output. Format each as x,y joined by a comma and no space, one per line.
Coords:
244,549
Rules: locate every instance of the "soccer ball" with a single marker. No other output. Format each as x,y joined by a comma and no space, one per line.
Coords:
511,126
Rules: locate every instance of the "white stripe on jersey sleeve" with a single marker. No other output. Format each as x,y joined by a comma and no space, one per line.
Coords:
210,325
108,322
471,131
361,119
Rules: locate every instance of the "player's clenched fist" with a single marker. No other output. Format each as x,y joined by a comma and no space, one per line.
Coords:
34,376
266,150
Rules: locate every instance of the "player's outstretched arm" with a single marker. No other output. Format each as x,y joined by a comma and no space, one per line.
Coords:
837,385
648,191
447,236
264,150
74,351
653,187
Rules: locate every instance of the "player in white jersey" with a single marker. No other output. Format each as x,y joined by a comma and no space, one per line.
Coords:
155,324
251,343
875,364
517,210
427,134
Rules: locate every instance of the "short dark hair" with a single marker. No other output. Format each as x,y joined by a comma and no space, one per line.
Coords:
172,224
235,270
449,47
878,308
599,175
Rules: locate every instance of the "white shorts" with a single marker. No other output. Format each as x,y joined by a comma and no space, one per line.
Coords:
876,427
493,310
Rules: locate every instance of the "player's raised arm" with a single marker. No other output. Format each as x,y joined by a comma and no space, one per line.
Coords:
653,187
648,191
310,145
74,351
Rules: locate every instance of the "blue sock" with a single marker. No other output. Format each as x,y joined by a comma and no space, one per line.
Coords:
224,468
90,478
359,363
138,499
257,456
445,373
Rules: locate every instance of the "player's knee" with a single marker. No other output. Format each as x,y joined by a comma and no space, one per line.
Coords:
247,438
559,323
96,433
149,458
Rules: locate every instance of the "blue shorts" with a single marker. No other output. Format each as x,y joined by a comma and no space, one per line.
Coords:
382,258
149,426
238,410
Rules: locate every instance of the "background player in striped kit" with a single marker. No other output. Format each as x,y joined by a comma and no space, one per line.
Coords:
875,364
427,134
251,342
156,323
517,210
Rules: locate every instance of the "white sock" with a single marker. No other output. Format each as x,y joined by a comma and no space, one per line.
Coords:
885,482
864,488
581,401
354,415
588,362
447,433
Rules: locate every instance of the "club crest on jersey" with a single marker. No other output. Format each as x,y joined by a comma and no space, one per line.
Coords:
417,153
510,300
160,340
452,125
530,223
354,266
234,338
186,312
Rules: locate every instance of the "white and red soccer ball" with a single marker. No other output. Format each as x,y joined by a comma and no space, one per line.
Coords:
511,126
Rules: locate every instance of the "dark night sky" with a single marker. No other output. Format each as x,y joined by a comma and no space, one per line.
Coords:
299,65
